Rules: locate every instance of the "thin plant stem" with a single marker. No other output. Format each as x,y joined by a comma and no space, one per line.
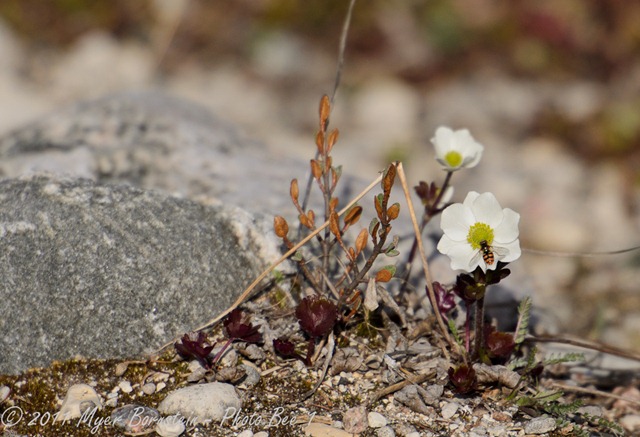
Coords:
429,213
467,329
479,331
425,265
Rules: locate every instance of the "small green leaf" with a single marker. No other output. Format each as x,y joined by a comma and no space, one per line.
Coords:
391,269
522,329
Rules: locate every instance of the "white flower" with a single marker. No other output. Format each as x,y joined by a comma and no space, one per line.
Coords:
456,149
478,232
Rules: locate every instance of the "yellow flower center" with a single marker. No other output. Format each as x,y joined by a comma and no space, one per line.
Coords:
480,232
453,158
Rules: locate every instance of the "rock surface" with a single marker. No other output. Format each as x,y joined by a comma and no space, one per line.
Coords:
113,271
152,140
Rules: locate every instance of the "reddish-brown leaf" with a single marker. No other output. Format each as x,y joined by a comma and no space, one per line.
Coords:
389,177
325,110
304,221
393,211
353,215
320,142
316,169
333,138
361,241
317,316
383,275
294,191
280,226
333,203
334,225
378,204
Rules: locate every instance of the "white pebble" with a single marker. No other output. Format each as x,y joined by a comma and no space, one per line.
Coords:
4,393
376,420
79,398
149,388
125,386
171,426
449,410
202,402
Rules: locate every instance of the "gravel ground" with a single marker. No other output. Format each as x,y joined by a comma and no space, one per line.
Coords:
569,200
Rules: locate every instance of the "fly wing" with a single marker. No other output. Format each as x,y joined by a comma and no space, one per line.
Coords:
500,251
476,257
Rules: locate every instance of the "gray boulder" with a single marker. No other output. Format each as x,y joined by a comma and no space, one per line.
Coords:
112,270
152,140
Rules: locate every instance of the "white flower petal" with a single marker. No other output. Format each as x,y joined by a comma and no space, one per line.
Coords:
442,141
445,244
486,209
471,197
507,230
514,251
456,220
461,254
446,140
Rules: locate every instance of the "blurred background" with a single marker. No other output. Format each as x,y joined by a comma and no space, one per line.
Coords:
552,89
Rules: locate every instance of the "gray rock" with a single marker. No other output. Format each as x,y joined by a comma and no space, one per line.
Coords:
134,418
540,425
203,403
113,271
152,140
385,431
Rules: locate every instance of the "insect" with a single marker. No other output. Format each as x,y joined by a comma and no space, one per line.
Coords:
488,253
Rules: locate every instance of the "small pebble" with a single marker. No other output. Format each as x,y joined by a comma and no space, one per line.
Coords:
449,410
322,430
121,368
540,425
630,422
591,410
4,393
252,374
135,418
171,426
355,419
125,386
261,434
112,400
149,388
376,420
497,431
79,398
246,433
202,402
385,431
